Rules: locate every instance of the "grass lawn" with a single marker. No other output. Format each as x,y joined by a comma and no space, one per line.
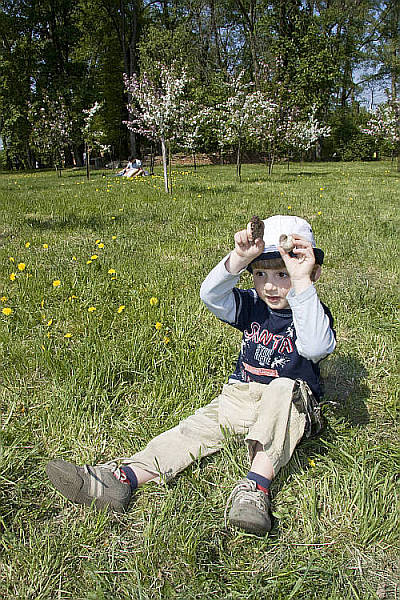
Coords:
86,375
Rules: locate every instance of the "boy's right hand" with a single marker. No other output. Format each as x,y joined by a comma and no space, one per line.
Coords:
246,250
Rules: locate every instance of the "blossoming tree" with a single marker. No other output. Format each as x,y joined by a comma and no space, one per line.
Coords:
304,134
385,125
158,109
51,129
92,134
244,117
192,135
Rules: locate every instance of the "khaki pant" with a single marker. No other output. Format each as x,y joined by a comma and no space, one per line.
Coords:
258,412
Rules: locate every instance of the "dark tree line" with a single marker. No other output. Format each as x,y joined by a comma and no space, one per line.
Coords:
301,52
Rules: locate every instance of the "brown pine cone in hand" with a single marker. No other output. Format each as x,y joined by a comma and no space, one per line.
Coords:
257,228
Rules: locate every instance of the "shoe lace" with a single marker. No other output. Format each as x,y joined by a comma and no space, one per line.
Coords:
246,491
112,466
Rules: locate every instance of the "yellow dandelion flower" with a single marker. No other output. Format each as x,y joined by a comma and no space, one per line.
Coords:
101,245
3,299
72,297
45,246
113,218
97,242
21,266
114,237
93,257
56,283
27,244
12,276
7,311
68,335
74,258
321,189
166,340
289,207
49,322
121,308
311,462
113,278
320,212
158,325
111,271
88,262
153,301
91,308
42,302
11,258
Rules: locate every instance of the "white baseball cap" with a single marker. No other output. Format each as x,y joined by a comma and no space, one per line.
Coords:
277,225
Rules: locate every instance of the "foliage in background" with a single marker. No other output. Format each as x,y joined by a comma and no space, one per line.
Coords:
299,54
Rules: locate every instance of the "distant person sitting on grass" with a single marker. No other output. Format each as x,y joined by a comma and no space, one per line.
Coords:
271,399
132,169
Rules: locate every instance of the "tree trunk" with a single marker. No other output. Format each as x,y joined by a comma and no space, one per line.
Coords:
216,35
238,163
87,161
170,167
152,160
127,27
249,21
271,158
164,160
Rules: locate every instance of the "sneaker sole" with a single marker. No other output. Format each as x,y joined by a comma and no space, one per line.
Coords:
246,526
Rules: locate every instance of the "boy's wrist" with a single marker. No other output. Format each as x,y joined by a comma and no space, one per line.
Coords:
301,284
235,263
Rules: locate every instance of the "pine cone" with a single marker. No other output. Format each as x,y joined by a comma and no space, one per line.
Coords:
257,228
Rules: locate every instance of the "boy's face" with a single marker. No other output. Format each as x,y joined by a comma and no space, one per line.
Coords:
272,286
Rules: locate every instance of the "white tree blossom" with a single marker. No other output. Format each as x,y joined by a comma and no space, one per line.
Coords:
304,134
384,124
92,135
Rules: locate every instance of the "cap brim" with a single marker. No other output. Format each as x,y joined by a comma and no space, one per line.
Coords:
318,253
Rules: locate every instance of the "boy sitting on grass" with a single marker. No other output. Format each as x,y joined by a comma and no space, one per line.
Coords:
272,397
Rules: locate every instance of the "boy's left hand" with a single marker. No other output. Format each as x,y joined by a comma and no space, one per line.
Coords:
300,266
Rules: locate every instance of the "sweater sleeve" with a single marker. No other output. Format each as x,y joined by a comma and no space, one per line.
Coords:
313,324
217,292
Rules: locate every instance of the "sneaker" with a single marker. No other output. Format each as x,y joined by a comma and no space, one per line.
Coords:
97,486
251,508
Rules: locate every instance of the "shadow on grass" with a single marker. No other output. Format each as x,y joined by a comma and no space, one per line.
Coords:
292,176
344,384
281,177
